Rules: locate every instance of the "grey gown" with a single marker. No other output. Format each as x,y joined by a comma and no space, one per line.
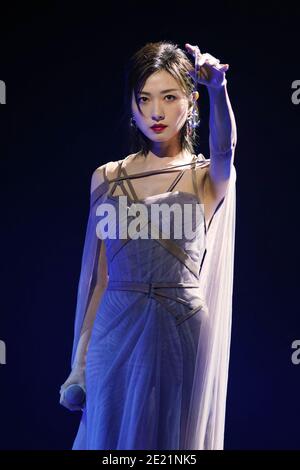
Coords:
141,357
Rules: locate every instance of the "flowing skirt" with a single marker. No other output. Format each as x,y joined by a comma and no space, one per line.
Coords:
139,375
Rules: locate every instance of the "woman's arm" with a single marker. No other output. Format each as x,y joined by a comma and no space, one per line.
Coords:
80,357
99,289
99,281
222,140
222,133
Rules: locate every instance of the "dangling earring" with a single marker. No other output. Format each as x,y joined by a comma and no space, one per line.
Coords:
192,121
189,125
133,122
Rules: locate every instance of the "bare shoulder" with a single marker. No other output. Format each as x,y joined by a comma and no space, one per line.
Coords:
97,177
103,173
108,171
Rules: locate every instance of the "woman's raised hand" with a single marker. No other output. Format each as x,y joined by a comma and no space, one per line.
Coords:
209,71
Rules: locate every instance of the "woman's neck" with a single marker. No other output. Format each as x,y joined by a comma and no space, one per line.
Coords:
153,160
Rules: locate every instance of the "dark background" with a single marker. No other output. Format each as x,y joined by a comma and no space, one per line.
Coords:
63,68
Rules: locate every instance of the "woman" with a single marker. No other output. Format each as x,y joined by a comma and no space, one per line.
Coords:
153,315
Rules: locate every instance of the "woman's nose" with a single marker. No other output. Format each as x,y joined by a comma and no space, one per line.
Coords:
157,116
157,113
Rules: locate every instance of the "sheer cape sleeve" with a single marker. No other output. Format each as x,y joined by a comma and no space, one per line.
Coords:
206,419
89,263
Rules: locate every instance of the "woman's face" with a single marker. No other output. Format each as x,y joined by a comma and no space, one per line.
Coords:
161,101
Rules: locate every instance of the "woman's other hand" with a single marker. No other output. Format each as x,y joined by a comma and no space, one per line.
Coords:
77,376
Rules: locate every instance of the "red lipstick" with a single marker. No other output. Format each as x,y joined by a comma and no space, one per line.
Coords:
158,127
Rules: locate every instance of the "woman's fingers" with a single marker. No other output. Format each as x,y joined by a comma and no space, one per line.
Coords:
66,404
211,59
206,57
194,50
224,67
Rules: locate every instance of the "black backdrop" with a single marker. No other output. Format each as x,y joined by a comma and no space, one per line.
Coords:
62,64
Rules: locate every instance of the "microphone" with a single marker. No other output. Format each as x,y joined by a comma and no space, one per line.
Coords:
75,395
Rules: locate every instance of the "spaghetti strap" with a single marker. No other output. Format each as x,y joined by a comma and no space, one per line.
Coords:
130,185
119,180
178,177
214,213
195,184
105,174
170,169
116,179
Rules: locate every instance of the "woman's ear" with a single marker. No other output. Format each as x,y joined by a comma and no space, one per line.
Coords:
195,95
193,98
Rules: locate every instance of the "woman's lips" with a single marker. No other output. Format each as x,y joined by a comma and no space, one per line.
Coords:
158,128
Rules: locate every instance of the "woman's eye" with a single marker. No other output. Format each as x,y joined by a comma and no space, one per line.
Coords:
172,96
142,98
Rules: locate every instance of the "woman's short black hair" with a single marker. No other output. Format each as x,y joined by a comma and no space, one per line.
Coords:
153,57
